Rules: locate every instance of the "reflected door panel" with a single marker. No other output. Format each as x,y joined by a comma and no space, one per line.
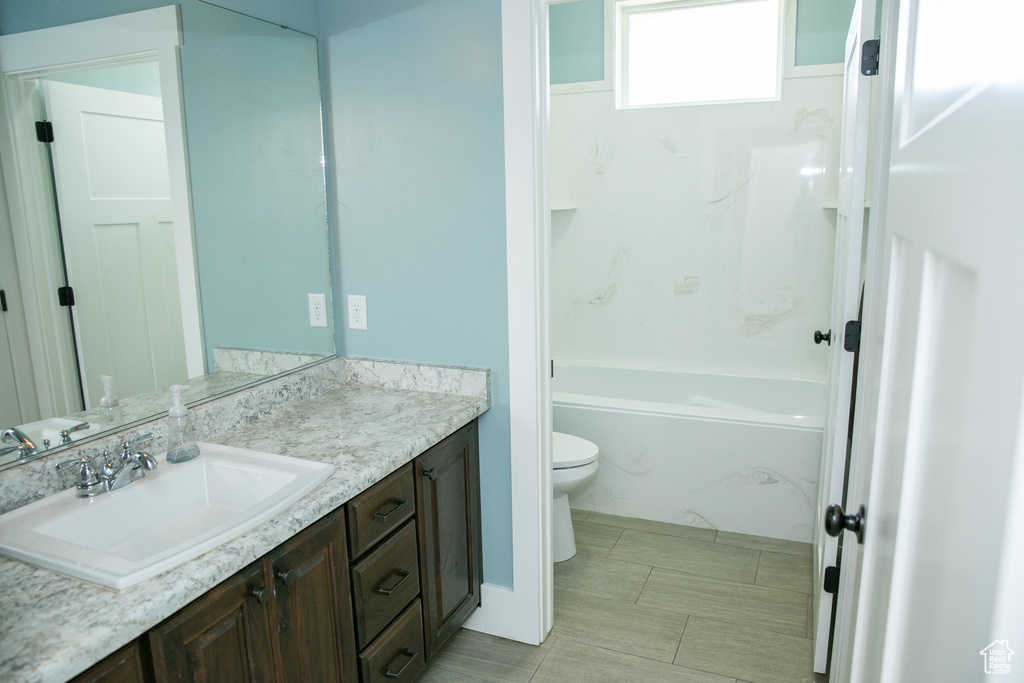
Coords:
110,165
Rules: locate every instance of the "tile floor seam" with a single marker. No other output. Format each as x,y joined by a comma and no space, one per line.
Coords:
545,656
733,623
681,636
708,576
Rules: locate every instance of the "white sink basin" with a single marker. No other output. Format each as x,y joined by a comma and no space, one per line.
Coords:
51,428
174,514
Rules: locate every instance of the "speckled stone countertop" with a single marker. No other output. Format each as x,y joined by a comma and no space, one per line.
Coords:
367,418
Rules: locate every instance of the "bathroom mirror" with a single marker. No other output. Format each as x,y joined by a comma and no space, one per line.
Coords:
217,292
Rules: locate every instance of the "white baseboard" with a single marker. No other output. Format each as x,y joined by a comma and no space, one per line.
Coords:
496,614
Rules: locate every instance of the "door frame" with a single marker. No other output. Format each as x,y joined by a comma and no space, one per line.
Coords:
525,613
149,35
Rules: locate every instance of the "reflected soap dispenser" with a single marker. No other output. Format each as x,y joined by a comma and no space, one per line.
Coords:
110,407
181,440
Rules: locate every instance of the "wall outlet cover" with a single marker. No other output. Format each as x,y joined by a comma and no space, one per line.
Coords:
318,310
357,311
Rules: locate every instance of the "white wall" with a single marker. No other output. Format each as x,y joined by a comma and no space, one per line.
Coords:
699,237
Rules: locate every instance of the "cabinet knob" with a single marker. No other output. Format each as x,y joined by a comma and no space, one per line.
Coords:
288,577
262,594
430,474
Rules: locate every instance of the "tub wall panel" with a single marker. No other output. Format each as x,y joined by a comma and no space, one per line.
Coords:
731,476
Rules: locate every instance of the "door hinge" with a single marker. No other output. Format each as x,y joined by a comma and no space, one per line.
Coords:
552,368
65,296
44,131
869,57
851,338
3,301
831,582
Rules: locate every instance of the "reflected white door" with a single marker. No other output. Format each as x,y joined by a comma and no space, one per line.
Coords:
10,411
110,164
943,552
853,158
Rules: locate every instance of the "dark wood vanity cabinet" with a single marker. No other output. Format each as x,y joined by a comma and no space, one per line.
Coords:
283,618
368,594
448,510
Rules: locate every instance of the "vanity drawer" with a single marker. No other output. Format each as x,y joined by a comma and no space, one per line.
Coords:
384,582
398,654
374,513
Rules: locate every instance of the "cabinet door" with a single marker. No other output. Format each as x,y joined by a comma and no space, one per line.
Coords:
223,637
127,665
448,500
313,610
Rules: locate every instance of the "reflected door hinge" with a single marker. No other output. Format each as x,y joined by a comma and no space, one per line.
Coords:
831,582
851,337
3,301
66,296
869,57
44,131
552,368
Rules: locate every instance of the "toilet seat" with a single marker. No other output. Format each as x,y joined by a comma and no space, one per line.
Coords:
571,451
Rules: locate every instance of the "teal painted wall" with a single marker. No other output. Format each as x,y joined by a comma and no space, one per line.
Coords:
26,15
576,40
141,79
417,131
821,28
577,37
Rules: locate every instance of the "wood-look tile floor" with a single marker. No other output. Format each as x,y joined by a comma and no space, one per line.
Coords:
649,601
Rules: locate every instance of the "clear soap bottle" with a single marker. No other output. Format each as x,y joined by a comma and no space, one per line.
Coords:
181,440
110,407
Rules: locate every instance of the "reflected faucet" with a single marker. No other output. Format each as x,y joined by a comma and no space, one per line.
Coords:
23,444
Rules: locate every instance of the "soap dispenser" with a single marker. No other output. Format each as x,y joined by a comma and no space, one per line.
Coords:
181,440
110,407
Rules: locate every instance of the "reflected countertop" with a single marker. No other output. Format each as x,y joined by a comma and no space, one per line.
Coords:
367,418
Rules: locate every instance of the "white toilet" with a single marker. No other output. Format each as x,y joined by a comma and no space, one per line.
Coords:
575,463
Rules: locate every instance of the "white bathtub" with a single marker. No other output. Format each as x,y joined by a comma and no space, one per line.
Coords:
737,454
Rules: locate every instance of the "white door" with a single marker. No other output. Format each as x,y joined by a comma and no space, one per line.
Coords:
10,410
943,552
110,164
853,158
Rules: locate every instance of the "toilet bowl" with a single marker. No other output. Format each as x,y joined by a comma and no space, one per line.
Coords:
575,463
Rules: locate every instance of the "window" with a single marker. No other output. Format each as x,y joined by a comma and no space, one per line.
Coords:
697,52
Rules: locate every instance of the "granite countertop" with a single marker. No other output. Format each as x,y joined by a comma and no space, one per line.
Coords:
53,627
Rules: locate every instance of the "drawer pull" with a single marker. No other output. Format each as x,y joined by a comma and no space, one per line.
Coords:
398,504
409,654
402,576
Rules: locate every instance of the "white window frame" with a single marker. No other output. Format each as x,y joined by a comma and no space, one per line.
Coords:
625,7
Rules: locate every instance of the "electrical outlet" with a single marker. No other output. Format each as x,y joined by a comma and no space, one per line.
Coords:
318,310
357,311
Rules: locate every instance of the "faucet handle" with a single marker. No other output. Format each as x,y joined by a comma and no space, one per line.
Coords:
65,434
86,475
128,445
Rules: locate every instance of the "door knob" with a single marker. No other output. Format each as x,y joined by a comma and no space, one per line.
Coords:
836,521
819,337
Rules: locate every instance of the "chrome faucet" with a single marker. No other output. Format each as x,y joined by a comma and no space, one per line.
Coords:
122,471
25,446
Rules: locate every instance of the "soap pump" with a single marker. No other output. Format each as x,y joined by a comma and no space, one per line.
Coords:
110,407
181,440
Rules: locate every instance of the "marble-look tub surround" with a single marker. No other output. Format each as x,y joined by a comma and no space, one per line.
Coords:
367,418
695,237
